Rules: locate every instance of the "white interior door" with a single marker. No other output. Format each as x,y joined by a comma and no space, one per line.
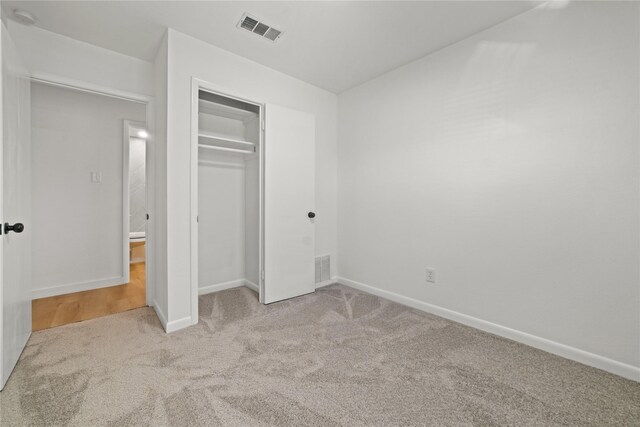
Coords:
289,198
15,284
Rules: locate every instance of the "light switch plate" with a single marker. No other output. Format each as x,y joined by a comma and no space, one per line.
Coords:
96,177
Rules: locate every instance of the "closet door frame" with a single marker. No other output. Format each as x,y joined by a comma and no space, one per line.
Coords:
196,86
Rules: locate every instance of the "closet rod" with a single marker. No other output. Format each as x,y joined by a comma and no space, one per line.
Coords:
236,150
222,164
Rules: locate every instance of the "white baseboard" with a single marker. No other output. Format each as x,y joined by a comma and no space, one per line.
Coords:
585,357
228,285
249,284
176,325
221,286
173,325
161,315
331,281
77,287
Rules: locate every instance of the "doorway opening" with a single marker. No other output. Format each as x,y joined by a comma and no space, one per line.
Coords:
227,165
89,178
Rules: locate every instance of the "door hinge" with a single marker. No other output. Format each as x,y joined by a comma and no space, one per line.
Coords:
262,274
263,126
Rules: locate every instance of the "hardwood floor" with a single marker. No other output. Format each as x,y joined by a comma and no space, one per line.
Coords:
70,308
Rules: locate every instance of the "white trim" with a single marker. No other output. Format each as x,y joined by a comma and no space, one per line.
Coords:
568,352
160,314
127,127
193,220
203,290
126,136
331,281
249,284
78,287
176,325
150,188
137,236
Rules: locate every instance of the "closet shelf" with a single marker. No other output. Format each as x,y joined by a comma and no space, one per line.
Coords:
220,142
212,108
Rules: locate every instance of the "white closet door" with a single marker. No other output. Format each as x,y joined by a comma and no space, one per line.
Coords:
289,198
15,291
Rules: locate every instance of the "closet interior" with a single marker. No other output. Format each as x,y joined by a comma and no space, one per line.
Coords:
229,144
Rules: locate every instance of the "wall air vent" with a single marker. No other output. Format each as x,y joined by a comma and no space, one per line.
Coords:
323,268
253,24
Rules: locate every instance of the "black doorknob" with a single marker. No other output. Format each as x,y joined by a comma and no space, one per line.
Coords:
311,214
18,227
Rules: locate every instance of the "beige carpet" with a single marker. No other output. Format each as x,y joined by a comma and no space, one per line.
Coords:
336,357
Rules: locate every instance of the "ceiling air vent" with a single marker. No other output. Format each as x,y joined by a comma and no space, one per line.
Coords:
272,34
248,23
251,23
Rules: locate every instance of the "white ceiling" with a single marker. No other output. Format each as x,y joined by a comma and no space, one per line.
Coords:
333,45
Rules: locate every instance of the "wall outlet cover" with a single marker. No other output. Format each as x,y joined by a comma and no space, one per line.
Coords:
431,275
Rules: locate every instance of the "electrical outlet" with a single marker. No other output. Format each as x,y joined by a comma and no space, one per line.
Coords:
431,275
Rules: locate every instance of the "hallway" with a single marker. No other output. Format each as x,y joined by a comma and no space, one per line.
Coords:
70,308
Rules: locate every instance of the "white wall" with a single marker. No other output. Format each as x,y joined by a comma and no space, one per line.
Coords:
221,217
228,208
49,54
252,206
77,223
509,163
238,76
